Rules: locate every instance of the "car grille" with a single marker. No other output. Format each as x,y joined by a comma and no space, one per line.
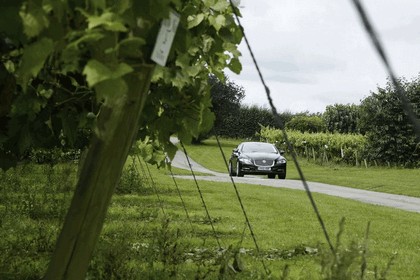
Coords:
264,162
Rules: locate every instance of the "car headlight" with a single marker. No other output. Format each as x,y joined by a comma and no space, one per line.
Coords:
281,160
245,161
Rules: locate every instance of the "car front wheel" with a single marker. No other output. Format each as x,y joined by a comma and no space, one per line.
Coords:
238,170
231,172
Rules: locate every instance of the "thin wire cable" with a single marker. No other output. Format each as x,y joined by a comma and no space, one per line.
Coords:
373,35
281,125
201,195
145,177
248,223
153,186
182,200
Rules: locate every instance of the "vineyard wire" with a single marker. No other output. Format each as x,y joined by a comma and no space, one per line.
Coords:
182,200
248,223
279,122
201,196
370,30
153,186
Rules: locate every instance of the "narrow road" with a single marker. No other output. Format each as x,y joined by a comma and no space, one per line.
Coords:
390,200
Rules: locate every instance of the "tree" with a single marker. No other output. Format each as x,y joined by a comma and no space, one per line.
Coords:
226,102
390,135
306,123
71,63
341,118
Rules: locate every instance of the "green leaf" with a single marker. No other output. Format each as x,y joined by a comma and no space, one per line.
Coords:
34,57
207,43
34,19
58,8
209,3
146,150
131,47
195,20
217,22
171,150
46,93
122,5
97,72
235,66
109,90
220,5
207,119
108,20
97,4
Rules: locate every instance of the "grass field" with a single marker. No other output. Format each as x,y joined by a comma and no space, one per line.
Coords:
147,234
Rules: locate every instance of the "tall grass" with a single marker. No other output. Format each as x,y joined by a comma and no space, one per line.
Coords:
141,241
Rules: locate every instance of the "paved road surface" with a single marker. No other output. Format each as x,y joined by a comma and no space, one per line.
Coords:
391,200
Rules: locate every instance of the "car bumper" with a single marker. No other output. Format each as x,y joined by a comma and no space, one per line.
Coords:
263,170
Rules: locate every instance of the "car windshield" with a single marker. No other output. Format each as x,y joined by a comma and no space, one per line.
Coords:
258,148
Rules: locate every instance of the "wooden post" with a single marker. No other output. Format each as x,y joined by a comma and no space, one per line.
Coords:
100,171
357,159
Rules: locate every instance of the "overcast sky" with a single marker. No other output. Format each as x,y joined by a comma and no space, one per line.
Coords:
315,53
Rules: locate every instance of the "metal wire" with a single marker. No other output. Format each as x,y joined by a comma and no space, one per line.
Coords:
373,35
248,223
153,186
281,125
201,196
182,200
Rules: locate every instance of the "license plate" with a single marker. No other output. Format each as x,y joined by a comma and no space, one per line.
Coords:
264,168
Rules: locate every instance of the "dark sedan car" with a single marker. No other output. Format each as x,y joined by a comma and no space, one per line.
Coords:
257,158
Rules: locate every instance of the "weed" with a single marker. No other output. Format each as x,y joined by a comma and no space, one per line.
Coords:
350,262
131,182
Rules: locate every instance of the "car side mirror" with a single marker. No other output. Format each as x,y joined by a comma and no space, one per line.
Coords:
235,151
282,152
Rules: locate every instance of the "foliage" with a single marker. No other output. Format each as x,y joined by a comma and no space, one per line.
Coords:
350,262
306,123
341,118
61,61
246,122
130,181
226,102
323,147
389,133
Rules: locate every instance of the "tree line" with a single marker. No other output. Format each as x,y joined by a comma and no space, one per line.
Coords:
379,118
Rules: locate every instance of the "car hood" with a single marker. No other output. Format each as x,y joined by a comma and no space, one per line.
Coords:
257,156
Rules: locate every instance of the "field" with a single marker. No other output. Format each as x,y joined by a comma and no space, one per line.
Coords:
148,234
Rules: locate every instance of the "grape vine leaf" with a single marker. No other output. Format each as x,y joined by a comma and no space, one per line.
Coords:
34,58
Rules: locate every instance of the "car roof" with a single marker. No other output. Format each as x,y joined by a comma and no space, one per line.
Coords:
254,142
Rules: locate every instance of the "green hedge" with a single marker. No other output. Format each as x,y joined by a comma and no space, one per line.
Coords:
245,123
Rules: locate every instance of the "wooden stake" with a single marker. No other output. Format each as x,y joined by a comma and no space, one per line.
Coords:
100,171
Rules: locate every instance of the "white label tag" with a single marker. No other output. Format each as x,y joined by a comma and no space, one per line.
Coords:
165,38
